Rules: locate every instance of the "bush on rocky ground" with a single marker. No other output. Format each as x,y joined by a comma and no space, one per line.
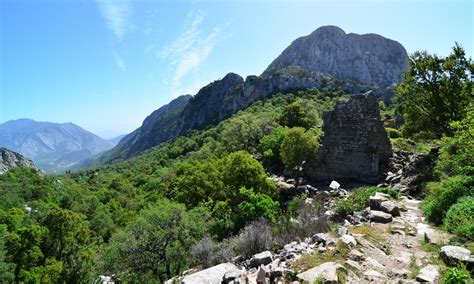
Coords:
442,195
460,218
359,199
209,253
457,275
306,219
255,237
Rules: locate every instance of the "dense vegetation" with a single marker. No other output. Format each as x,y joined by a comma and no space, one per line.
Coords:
143,217
206,196
436,103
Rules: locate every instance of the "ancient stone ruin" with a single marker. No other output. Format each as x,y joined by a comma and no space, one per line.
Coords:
355,145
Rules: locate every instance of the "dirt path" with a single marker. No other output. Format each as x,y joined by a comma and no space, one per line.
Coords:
401,254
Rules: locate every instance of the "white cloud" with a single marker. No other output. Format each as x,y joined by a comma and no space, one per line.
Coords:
189,50
119,61
117,16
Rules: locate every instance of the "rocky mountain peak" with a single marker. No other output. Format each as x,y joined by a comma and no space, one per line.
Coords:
367,58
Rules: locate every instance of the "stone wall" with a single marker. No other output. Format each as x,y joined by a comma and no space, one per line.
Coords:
355,145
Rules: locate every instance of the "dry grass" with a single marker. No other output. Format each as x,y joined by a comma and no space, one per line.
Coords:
307,261
370,233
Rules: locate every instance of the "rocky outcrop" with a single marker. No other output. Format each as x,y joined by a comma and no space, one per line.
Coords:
10,160
355,144
408,171
367,58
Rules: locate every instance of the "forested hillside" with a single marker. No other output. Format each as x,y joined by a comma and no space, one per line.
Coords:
205,197
84,224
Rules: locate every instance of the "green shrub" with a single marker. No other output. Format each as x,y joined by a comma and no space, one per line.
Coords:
442,195
456,156
297,147
460,218
359,199
457,275
412,145
393,133
270,147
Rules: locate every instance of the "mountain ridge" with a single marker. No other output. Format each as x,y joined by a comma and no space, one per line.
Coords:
223,98
53,146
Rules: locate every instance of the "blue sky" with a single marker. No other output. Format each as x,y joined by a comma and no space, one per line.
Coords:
106,64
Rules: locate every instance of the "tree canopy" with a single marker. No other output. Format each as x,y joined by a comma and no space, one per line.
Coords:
436,91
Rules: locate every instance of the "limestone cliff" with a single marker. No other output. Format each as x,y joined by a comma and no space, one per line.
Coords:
367,58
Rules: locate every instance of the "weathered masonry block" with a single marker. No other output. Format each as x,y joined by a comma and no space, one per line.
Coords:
355,145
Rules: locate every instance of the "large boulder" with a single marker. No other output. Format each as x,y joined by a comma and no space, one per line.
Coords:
326,272
212,275
380,217
261,258
375,201
390,208
454,254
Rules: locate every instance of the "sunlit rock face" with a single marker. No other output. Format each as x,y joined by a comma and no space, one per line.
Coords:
367,58
10,160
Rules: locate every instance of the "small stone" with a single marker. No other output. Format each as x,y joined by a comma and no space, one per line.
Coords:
334,185
372,275
380,217
376,200
238,258
277,272
261,258
231,276
262,273
390,208
398,232
402,273
319,238
311,188
326,272
341,231
349,241
428,274
322,249
356,255
353,264
434,237
374,263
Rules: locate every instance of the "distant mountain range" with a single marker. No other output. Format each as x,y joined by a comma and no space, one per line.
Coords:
54,147
327,58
